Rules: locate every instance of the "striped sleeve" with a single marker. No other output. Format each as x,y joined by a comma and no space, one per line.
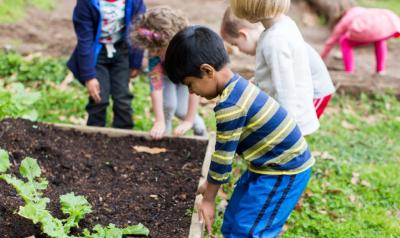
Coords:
230,124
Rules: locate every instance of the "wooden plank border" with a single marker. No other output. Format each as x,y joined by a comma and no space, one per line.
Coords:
197,228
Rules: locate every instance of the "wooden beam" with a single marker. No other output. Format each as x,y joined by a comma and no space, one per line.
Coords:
197,228
357,84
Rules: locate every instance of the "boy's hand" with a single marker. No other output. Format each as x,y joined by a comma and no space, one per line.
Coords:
158,130
207,213
207,205
93,87
135,73
183,128
202,188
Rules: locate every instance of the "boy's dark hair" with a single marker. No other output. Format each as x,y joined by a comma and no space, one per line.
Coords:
189,49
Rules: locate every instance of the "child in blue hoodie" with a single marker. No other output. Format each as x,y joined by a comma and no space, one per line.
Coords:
104,60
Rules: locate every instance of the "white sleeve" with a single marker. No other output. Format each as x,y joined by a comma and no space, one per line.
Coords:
280,60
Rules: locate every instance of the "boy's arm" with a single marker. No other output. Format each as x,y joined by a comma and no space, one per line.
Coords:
207,205
280,60
190,115
231,120
84,29
136,54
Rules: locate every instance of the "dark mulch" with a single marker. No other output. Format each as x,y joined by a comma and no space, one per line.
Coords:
124,187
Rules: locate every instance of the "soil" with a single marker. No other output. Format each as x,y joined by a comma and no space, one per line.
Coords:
124,187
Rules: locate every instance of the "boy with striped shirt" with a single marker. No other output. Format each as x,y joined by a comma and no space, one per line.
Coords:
249,123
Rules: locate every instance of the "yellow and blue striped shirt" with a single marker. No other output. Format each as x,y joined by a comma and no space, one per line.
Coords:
255,126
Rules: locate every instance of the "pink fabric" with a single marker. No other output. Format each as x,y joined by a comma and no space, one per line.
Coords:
346,45
380,54
366,25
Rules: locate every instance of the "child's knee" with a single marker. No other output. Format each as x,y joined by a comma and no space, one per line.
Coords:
169,110
180,113
122,100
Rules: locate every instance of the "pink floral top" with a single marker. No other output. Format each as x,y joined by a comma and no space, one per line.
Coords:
113,12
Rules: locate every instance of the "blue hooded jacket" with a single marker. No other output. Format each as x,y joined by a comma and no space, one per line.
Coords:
87,21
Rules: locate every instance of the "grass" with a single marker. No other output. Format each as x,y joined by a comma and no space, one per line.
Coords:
14,10
390,4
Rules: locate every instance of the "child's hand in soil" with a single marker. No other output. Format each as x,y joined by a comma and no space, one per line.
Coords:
183,128
202,188
207,213
207,205
158,130
93,87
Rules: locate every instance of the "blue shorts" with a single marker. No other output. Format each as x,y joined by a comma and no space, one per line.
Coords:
261,204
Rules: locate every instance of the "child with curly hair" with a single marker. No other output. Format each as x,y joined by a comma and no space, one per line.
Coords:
153,32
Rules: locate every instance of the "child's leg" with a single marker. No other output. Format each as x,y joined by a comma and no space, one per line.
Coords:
261,204
97,111
122,97
182,92
320,104
347,45
347,52
380,54
170,102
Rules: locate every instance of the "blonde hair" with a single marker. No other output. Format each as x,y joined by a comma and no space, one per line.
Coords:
231,24
257,10
157,27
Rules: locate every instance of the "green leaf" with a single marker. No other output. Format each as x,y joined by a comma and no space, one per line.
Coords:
100,232
41,184
113,232
70,204
31,212
31,115
4,161
25,190
138,229
38,214
77,207
30,169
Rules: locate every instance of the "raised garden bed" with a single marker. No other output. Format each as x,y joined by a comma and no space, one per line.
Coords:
123,185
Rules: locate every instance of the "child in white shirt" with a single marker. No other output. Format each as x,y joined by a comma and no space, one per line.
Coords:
282,64
244,35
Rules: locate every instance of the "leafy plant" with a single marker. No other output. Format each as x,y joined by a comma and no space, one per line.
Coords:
75,207
15,101
33,68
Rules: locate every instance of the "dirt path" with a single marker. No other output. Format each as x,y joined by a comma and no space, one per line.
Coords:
52,34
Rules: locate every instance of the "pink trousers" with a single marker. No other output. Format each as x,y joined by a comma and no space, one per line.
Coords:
347,45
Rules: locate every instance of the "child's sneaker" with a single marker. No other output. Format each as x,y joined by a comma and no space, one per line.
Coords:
200,132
